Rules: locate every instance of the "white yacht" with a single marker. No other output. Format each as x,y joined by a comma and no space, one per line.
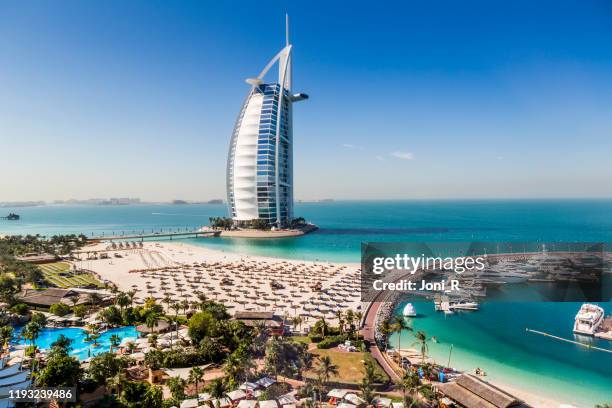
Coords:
588,319
409,310
464,305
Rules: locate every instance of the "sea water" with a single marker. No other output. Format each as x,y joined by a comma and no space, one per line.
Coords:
493,338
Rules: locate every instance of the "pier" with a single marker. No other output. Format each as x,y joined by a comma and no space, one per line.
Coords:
161,234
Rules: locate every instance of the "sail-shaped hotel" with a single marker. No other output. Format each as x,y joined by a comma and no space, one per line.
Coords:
260,159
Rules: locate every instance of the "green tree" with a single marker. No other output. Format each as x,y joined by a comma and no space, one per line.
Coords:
59,309
202,324
61,346
326,368
105,365
216,388
115,340
422,340
60,371
398,326
367,382
196,375
6,334
177,388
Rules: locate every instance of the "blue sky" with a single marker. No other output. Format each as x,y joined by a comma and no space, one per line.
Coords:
409,99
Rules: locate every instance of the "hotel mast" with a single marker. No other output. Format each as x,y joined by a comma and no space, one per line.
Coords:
260,159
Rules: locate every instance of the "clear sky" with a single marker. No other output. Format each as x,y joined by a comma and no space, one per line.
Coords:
409,99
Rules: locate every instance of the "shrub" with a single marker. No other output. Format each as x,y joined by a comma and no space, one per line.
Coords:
80,310
330,341
30,351
315,338
21,309
59,309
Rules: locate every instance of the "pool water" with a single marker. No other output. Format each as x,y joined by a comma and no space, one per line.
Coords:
80,348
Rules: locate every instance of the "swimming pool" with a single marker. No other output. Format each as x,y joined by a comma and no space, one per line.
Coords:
80,348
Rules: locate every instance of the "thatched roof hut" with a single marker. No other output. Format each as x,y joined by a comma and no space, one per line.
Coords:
472,392
160,327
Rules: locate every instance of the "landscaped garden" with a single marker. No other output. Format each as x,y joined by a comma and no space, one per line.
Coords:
61,275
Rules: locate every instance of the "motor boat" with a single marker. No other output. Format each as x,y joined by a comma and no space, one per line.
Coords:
588,319
409,310
464,305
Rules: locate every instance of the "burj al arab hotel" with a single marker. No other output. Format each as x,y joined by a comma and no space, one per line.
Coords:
260,159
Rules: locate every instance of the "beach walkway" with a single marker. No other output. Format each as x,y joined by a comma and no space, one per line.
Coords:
368,331
170,235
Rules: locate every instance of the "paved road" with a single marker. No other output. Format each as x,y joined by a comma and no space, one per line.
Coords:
368,331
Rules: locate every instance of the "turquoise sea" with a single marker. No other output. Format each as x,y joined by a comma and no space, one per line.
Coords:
345,224
493,338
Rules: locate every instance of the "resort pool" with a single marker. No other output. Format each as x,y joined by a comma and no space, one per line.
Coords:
80,348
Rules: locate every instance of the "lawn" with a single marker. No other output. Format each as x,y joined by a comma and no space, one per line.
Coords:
350,365
53,274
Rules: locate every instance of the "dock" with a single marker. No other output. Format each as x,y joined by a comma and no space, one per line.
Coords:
143,236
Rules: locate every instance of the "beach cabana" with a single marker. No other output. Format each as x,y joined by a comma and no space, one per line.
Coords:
160,327
268,404
189,403
354,399
204,396
247,404
221,402
472,392
287,399
236,395
248,386
265,382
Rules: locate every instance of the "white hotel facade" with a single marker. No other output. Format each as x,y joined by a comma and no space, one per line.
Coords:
260,158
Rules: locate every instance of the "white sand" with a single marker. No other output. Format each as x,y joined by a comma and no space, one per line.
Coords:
173,263
181,270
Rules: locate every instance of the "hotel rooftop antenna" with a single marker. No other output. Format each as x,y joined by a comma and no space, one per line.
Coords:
286,29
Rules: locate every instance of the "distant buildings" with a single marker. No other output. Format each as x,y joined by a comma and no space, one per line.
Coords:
260,158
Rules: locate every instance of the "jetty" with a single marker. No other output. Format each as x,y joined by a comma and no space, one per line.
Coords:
160,234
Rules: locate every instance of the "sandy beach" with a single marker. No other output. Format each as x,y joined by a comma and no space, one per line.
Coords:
243,283
287,287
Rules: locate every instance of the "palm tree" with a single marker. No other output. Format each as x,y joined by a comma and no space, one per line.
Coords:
176,307
115,382
367,382
216,388
323,327
326,368
399,325
196,374
297,321
409,383
177,387
131,294
115,340
93,299
385,329
6,334
122,300
151,321
422,340
338,314
184,305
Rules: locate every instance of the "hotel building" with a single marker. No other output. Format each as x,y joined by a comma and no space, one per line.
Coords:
260,159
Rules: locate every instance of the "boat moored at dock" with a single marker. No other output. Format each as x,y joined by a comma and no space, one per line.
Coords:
588,319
